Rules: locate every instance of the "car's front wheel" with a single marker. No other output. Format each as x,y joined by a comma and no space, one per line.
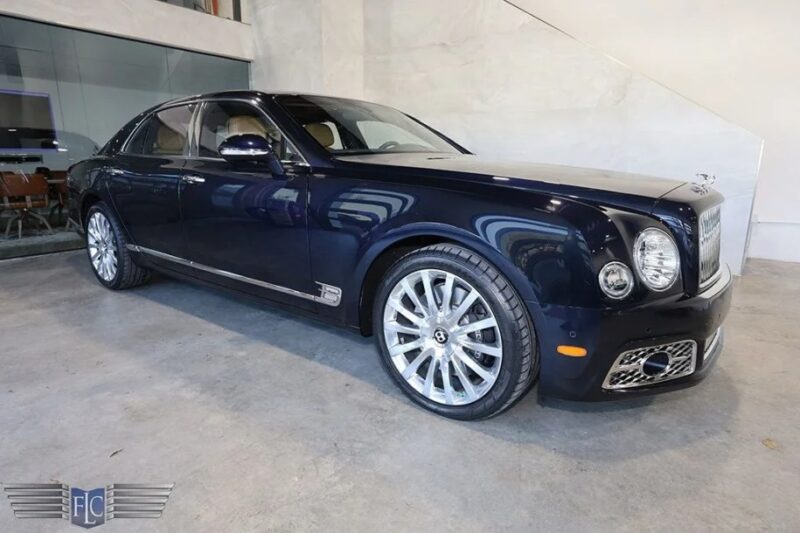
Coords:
454,334
109,256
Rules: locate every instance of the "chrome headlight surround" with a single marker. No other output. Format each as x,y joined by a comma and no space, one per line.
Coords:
616,280
657,259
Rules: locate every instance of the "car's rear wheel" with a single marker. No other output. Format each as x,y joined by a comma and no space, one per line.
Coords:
454,334
108,253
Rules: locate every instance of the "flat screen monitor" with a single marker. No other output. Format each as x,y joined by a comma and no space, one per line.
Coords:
26,122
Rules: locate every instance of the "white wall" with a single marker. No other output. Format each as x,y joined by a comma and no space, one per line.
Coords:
739,58
144,20
506,86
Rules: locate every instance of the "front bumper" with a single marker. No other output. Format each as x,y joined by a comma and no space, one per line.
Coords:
608,333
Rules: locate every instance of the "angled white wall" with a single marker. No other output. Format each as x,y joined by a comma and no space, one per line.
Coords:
506,86
738,58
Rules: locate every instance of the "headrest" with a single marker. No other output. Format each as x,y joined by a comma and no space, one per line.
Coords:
246,125
168,140
321,132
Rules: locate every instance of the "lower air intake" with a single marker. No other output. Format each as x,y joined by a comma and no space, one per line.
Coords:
652,364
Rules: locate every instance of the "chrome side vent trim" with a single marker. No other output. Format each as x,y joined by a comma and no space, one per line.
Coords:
652,364
709,237
329,295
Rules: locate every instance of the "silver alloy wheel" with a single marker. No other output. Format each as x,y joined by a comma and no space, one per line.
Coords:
442,337
102,246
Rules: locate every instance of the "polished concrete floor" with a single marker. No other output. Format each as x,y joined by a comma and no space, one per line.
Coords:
266,421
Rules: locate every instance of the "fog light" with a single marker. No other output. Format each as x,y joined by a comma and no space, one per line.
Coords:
616,280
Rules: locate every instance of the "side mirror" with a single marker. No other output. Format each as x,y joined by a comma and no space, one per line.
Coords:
249,148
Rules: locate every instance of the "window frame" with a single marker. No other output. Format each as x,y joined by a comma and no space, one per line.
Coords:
281,100
146,121
196,128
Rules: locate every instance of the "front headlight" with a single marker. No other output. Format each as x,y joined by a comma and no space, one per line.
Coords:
656,258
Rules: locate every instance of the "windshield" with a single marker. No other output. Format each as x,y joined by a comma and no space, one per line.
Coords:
346,127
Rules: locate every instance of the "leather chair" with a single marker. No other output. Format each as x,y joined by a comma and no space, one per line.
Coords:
57,179
250,125
322,133
246,125
168,141
23,193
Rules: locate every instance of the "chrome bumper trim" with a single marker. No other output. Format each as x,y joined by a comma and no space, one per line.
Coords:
628,371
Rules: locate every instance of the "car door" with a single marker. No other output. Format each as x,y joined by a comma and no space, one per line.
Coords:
244,222
145,177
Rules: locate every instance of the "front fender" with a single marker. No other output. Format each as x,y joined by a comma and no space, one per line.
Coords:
414,231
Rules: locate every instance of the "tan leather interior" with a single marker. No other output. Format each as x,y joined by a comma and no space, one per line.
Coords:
168,141
246,125
321,132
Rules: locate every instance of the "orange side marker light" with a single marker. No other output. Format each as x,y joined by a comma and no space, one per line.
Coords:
571,351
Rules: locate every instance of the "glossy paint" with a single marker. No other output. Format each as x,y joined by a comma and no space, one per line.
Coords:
144,191
248,221
334,221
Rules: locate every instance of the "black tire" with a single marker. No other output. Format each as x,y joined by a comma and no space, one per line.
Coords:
128,273
520,360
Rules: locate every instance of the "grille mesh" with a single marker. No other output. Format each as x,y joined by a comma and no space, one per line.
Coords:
710,233
628,369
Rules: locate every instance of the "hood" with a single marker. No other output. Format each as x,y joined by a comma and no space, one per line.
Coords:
584,178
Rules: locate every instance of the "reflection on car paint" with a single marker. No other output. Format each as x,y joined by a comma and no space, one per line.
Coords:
367,207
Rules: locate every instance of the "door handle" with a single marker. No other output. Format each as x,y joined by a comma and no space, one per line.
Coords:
115,171
188,178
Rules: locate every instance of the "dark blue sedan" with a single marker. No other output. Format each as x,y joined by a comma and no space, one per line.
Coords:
475,277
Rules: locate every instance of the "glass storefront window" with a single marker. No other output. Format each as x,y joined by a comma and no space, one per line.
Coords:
63,94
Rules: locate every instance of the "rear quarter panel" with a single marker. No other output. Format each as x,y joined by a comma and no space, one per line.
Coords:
86,182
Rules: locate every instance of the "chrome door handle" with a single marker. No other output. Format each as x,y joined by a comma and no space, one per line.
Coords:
192,179
115,171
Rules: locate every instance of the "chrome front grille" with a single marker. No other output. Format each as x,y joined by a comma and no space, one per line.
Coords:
652,364
710,233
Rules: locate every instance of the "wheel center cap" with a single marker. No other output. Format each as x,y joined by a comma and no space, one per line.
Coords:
440,335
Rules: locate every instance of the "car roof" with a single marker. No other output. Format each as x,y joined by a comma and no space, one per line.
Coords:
245,94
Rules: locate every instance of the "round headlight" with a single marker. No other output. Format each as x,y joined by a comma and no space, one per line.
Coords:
616,280
656,258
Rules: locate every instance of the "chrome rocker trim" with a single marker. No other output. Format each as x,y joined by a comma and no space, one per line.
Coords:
329,295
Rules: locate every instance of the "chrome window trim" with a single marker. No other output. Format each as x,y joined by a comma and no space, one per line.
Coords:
329,294
220,159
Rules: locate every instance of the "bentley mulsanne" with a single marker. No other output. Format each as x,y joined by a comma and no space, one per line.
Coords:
477,278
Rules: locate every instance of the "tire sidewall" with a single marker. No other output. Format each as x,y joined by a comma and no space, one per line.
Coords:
511,366
119,242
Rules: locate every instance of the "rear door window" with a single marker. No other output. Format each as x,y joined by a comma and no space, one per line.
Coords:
165,133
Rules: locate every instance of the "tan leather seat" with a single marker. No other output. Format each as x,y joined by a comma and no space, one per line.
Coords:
246,125
168,141
321,132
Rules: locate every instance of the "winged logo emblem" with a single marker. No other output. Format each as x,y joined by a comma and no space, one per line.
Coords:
708,179
87,508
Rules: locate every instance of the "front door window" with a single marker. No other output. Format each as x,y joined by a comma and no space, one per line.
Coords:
224,119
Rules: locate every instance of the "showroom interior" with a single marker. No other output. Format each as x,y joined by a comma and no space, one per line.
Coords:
262,419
